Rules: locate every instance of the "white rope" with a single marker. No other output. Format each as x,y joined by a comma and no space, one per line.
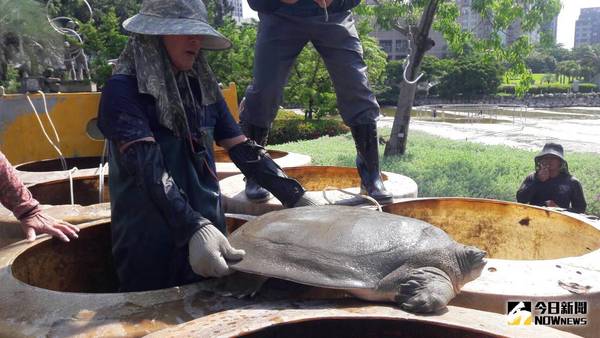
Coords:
48,115
62,158
68,31
71,191
368,198
102,168
59,29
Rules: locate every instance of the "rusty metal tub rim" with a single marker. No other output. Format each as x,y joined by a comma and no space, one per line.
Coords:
226,168
260,319
54,164
57,191
314,178
35,311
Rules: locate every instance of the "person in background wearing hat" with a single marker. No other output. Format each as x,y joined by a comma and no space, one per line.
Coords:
15,196
551,184
285,27
161,111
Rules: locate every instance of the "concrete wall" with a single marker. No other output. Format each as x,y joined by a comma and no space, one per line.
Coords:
541,101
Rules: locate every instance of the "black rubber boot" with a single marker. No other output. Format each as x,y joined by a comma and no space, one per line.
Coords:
367,162
255,192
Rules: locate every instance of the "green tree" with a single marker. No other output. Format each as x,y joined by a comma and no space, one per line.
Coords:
26,39
541,63
471,77
103,40
442,15
235,64
557,51
588,56
387,92
309,85
570,69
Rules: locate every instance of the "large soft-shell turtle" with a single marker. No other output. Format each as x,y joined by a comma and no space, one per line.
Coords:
374,256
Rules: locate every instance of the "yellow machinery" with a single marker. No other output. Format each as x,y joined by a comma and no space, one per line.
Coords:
74,117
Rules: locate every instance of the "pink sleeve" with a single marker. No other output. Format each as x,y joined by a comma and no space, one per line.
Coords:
13,194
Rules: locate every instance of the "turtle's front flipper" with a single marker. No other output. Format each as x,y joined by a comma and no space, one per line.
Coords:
422,290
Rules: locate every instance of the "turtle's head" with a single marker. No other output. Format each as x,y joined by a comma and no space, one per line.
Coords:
471,261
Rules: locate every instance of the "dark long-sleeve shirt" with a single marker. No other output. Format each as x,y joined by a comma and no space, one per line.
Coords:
565,190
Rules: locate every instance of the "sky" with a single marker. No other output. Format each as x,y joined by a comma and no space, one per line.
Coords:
566,18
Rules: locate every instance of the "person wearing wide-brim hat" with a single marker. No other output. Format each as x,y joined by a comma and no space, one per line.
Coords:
551,184
161,111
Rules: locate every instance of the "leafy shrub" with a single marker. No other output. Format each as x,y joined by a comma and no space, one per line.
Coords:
471,77
12,83
588,88
550,89
290,130
507,88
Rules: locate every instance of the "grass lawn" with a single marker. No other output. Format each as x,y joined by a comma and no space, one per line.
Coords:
444,167
538,78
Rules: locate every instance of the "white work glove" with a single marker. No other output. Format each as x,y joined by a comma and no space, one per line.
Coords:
209,250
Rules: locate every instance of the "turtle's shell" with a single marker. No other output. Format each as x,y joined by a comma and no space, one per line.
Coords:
335,246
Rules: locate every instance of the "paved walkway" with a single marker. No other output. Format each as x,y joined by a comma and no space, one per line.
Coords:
575,134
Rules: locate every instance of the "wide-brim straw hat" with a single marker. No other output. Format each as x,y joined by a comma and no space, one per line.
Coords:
176,17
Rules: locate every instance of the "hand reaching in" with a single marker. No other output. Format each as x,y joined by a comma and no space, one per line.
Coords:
40,223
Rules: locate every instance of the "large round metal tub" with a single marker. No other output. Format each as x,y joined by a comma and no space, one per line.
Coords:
346,320
55,196
226,168
86,191
51,169
10,227
314,179
51,288
535,254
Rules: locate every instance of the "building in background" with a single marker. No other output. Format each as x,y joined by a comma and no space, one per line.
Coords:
395,44
587,27
551,29
237,10
471,21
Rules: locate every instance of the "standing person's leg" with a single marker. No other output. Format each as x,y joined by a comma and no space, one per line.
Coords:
338,43
278,43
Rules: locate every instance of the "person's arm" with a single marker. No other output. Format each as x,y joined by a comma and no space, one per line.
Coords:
17,198
528,188
254,161
578,203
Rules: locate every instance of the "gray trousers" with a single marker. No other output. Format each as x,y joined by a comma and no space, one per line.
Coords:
281,38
